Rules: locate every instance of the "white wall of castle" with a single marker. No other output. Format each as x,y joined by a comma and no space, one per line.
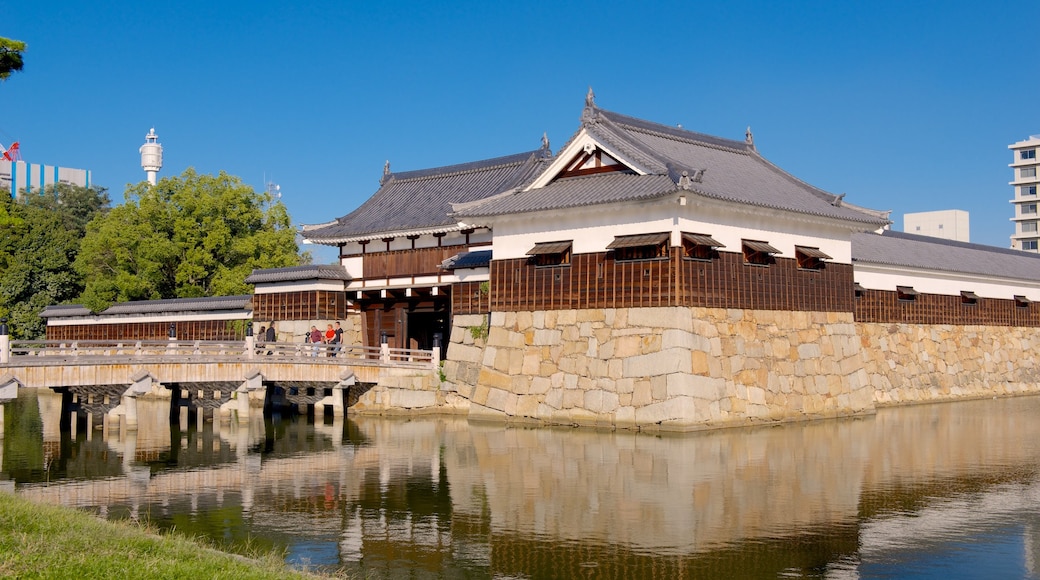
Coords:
883,277
593,228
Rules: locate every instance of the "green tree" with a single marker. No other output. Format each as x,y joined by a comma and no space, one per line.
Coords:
188,236
40,235
10,56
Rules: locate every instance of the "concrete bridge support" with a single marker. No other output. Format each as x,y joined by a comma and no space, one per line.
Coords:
239,405
141,384
8,392
336,400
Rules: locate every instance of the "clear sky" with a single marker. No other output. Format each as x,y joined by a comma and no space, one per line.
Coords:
902,105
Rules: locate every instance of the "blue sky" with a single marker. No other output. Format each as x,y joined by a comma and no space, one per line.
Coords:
907,106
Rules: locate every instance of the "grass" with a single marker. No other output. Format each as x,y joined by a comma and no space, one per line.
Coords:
44,541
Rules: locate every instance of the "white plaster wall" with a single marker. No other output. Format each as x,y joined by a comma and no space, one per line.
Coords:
879,277
158,317
299,286
592,229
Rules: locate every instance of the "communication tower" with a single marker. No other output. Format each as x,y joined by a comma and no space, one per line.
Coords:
151,155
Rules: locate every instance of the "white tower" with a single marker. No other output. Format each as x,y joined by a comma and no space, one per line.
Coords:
151,155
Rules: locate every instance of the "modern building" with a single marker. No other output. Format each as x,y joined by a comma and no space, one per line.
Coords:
1024,164
948,224
16,176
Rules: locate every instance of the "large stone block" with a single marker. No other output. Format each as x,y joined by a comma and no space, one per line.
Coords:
601,402
658,363
675,409
701,387
665,317
409,399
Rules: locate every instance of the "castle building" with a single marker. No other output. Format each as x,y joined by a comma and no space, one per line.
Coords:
1024,165
646,276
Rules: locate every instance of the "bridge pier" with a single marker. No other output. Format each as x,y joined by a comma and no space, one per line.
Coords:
239,405
8,392
337,398
141,384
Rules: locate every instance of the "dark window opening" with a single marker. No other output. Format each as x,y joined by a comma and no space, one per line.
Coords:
640,247
700,247
906,293
858,289
810,258
1022,301
758,253
969,298
550,254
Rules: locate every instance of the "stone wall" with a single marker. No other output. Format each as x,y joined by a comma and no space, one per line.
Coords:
659,368
909,363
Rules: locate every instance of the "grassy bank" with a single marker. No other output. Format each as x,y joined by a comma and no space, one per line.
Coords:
43,541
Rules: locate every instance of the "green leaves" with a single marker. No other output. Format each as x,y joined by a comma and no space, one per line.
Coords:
188,236
10,56
39,240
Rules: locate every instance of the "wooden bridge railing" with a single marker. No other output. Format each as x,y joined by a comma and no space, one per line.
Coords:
30,352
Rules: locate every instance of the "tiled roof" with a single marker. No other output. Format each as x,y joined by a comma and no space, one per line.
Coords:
421,200
909,250
714,167
178,305
572,192
64,310
477,259
309,272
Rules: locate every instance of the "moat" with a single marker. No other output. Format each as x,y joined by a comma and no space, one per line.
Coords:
947,490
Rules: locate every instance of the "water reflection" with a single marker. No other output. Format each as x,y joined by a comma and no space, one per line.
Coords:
927,491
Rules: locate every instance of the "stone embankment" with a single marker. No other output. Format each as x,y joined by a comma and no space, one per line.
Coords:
908,363
660,368
696,368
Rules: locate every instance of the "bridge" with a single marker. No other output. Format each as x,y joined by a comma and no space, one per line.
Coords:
225,377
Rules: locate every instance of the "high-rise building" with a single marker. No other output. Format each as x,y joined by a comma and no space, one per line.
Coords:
949,224
16,176
1025,166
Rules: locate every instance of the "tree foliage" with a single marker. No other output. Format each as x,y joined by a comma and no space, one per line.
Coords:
10,56
188,236
40,236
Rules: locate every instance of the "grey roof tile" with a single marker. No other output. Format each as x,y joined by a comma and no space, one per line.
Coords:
477,259
909,250
572,192
64,310
293,273
422,199
724,169
180,305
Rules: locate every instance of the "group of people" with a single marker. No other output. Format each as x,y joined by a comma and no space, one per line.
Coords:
333,336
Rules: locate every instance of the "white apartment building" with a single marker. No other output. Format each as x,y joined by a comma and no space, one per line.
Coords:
948,224
18,175
1025,166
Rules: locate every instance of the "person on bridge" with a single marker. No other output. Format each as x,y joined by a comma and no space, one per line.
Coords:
315,340
330,338
338,340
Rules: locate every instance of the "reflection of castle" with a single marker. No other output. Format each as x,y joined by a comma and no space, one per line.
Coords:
18,175
378,496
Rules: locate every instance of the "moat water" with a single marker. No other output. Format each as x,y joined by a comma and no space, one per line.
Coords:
932,491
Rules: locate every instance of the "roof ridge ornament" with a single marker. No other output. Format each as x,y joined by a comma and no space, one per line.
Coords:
749,138
837,200
386,173
686,180
546,149
590,115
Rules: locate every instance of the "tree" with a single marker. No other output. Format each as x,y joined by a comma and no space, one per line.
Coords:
185,237
10,56
40,235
